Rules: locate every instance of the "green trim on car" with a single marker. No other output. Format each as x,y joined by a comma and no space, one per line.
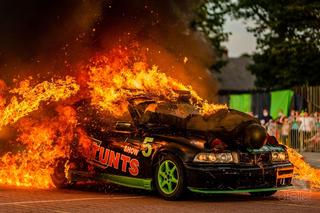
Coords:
139,183
210,191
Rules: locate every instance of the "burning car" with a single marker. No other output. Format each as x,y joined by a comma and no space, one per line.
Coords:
168,146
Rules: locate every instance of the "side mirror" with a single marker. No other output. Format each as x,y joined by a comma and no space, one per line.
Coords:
124,126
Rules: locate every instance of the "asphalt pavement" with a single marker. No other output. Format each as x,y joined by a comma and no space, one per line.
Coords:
109,199
313,158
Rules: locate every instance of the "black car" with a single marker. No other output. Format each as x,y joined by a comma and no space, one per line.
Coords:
170,147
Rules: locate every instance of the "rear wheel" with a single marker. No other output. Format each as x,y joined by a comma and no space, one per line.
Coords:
263,194
169,178
59,177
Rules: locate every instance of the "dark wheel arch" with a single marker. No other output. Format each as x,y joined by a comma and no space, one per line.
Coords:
58,176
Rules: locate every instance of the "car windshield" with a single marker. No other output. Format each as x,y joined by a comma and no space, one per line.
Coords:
181,110
187,116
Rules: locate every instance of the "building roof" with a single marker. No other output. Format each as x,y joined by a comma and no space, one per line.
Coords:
235,76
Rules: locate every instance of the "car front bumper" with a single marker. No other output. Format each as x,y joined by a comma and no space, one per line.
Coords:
206,178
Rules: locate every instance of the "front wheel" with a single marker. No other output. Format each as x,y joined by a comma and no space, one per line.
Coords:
169,178
263,194
59,177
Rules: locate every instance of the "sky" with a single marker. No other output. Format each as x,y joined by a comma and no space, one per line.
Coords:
240,41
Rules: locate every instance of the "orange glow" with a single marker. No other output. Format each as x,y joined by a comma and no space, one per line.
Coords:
40,142
110,88
27,99
108,81
303,171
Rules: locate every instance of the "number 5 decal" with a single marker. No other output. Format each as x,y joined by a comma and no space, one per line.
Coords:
147,147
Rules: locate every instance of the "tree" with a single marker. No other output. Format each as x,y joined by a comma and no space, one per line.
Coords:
288,40
287,33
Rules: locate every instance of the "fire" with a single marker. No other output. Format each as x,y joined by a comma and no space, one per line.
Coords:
110,88
107,81
303,171
32,97
41,142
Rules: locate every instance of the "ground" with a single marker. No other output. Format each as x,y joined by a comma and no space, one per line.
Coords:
122,200
313,158
95,198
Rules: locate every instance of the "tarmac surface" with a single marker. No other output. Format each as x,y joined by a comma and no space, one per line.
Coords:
313,158
122,200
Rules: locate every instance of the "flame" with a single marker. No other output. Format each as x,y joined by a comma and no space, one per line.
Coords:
110,88
32,97
303,171
108,81
41,142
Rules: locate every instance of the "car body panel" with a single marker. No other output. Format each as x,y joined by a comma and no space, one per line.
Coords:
129,156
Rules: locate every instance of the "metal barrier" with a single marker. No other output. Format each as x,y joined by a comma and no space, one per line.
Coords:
298,138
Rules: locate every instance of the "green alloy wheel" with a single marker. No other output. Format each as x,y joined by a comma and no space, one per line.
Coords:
169,178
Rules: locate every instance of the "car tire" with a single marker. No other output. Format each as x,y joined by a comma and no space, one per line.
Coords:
263,194
170,177
59,177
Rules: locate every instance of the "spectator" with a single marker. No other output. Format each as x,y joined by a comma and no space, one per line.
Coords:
294,132
313,142
285,130
271,127
265,117
281,117
307,123
317,120
292,116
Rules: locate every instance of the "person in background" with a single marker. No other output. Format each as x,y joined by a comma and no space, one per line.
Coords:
317,119
313,143
307,123
294,132
285,130
306,128
271,127
280,117
265,117
292,116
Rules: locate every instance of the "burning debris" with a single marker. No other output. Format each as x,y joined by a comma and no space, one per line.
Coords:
45,122
303,171
37,120
44,135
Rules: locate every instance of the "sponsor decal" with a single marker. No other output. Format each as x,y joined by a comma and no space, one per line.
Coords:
131,150
104,158
147,148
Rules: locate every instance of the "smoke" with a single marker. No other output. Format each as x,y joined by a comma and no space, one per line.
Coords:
51,37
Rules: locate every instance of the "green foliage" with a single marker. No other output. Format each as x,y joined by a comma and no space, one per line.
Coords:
287,33
288,40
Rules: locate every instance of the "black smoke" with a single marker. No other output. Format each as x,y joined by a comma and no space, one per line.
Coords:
50,37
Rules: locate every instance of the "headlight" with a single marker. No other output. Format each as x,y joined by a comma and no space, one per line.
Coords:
216,158
279,156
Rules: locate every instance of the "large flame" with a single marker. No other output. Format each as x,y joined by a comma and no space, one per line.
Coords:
46,135
32,97
303,171
110,88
